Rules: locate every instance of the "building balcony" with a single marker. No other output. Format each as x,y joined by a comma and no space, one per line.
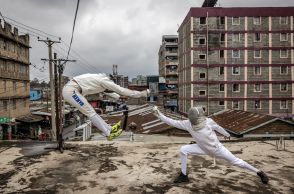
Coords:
171,81
171,53
174,63
171,73
172,91
171,43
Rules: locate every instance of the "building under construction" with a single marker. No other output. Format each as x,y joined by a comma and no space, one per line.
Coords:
14,73
237,58
168,69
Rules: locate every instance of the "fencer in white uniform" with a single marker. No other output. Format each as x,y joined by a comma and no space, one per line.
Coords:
202,129
82,85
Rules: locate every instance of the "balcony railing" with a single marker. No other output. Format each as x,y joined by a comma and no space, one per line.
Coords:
172,81
172,62
171,72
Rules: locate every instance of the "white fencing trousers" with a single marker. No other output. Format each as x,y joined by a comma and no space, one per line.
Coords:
221,152
71,94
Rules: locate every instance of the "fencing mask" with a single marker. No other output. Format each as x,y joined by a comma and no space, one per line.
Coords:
196,117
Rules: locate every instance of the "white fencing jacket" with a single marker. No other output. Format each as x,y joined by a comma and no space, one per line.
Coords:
97,83
204,137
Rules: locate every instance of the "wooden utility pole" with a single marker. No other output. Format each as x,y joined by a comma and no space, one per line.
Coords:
61,63
53,124
56,92
58,71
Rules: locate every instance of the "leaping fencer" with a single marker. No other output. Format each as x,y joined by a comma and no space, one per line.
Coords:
82,85
202,129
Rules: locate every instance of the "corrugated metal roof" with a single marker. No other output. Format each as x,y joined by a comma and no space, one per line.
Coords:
239,122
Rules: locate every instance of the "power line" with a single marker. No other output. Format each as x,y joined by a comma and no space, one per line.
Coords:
77,55
86,62
73,28
30,27
39,33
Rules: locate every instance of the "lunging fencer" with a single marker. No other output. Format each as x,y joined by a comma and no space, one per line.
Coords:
82,85
202,129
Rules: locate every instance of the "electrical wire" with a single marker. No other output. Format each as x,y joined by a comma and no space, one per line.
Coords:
30,27
73,29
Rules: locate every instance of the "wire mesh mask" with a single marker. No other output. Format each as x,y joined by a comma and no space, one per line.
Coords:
196,117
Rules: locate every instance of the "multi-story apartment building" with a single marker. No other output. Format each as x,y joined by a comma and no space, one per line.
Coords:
168,68
139,80
14,73
121,80
237,58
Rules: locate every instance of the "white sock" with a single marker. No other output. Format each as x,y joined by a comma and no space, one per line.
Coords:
249,167
98,122
184,163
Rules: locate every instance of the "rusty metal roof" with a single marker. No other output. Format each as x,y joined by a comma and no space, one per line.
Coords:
142,116
240,122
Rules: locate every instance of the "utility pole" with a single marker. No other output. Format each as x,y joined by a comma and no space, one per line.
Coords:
61,63
58,71
49,43
56,92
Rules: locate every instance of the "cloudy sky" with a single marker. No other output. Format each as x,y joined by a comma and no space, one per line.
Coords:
123,32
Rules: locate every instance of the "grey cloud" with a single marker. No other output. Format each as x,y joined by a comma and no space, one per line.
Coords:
123,32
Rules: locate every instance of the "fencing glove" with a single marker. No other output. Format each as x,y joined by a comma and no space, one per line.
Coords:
155,111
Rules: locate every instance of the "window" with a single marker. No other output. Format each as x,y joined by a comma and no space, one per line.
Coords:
236,21
202,56
236,54
14,104
222,20
222,37
202,41
24,102
202,75
283,37
236,70
221,70
14,86
4,45
257,37
5,105
222,87
235,105
283,70
283,104
257,104
257,87
257,70
283,20
283,53
257,53
221,54
202,92
4,85
236,37
236,87
284,87
25,84
221,103
256,20
202,20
